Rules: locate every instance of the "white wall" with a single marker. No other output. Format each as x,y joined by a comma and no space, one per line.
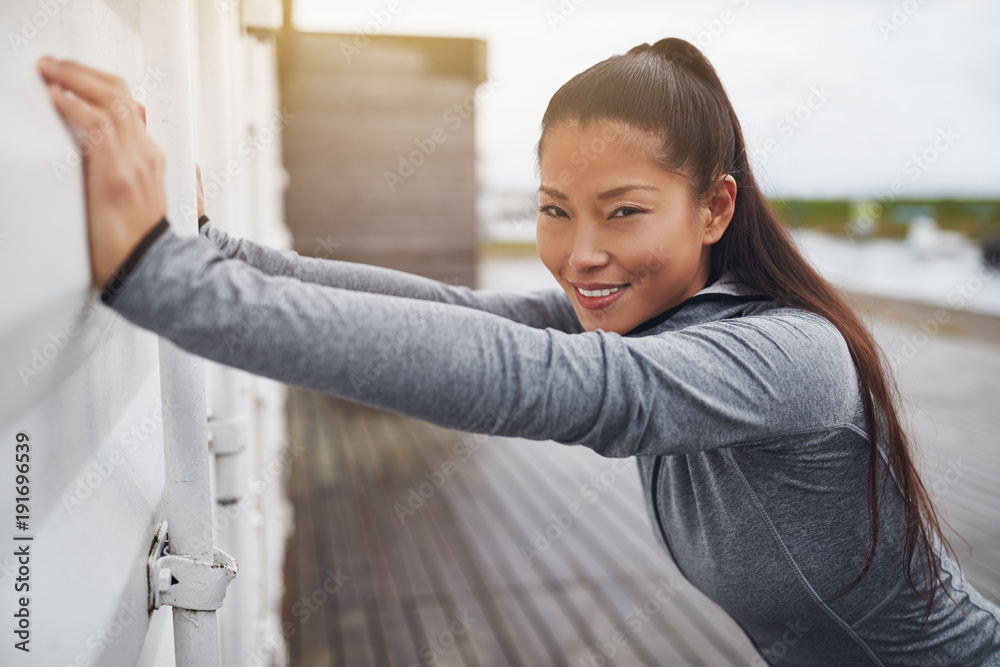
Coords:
84,383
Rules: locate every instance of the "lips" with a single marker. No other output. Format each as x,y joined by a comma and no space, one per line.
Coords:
594,296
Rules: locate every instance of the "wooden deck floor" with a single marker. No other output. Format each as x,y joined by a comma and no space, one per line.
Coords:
449,581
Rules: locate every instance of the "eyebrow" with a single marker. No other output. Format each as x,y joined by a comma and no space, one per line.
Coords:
610,194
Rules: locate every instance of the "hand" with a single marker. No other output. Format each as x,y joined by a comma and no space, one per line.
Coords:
201,193
123,167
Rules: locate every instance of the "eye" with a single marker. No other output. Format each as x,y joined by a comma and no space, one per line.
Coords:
547,209
625,211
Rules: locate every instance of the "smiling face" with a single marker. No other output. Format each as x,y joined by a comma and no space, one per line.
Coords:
621,235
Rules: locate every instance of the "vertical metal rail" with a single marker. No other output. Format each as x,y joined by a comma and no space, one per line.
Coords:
168,44
228,387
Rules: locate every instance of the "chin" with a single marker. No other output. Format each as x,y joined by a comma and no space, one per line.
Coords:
608,325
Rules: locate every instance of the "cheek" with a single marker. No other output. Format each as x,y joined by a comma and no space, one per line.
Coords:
549,249
663,251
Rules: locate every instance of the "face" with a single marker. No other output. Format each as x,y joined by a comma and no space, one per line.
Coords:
622,236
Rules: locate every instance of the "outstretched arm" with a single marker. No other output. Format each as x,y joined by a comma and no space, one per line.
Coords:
713,385
540,308
716,384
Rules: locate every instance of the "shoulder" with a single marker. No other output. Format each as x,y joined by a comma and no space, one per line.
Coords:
787,329
791,326
795,361
804,343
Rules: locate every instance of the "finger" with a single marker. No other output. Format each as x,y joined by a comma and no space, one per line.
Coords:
78,112
94,86
102,90
107,76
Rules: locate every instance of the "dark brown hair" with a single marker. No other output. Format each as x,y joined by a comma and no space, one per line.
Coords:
670,90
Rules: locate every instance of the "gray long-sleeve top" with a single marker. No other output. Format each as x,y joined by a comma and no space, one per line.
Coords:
745,416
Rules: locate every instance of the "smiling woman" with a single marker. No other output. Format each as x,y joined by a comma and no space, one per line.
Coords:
688,332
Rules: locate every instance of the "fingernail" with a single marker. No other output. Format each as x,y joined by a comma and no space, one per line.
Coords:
45,63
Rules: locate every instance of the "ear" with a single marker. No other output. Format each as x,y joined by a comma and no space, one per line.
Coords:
720,207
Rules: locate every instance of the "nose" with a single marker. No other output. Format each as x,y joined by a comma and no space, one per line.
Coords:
587,253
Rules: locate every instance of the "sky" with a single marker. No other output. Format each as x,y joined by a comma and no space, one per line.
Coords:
836,99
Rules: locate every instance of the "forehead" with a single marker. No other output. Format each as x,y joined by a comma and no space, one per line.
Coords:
602,156
571,140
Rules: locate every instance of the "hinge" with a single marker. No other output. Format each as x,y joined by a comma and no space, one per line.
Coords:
180,581
227,436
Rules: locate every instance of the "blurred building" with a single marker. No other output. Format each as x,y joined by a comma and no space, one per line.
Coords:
381,149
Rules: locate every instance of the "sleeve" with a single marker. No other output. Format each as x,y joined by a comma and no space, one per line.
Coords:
540,308
718,384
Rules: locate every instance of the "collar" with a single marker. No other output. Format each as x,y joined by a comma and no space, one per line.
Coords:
723,298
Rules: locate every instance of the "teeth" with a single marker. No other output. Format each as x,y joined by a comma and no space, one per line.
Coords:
600,292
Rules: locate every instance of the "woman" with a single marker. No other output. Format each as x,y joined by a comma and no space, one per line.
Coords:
689,332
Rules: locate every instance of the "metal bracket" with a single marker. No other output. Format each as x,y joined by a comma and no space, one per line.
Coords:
227,436
180,581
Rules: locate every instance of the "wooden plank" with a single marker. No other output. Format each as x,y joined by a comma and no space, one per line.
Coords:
491,638
342,608
392,537
360,601
318,632
429,604
625,538
603,535
566,548
948,387
539,635
545,580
